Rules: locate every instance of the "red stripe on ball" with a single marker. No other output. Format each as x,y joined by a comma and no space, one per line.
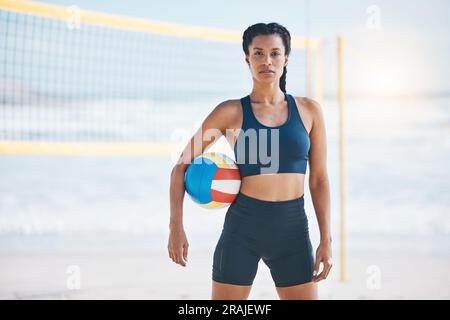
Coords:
222,196
227,174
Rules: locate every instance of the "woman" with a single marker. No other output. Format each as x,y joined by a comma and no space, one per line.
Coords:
267,220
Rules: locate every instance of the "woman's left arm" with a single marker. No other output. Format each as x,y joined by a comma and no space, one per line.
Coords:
320,188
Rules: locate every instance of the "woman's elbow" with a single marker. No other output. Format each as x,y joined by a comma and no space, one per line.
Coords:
317,180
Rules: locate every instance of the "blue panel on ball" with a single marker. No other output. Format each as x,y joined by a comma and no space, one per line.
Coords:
198,180
192,180
209,170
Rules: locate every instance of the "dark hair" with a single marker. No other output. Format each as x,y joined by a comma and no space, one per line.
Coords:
269,29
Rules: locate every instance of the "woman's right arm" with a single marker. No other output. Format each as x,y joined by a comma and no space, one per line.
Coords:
210,131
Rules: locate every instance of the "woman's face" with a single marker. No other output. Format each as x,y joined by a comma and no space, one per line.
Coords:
267,57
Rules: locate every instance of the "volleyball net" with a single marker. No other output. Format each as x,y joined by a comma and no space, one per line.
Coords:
74,81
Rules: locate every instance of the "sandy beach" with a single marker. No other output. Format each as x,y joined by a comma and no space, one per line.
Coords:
155,276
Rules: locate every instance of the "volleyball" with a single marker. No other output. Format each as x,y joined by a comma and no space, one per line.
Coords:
212,180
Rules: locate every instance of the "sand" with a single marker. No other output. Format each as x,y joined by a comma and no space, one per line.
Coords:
155,276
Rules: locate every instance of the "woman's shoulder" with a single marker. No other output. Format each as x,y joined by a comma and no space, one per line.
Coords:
307,102
227,113
231,103
309,110
310,105
231,107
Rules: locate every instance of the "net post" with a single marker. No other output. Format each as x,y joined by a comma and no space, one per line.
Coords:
342,182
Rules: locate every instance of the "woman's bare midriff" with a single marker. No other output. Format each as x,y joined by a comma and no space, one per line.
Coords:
274,187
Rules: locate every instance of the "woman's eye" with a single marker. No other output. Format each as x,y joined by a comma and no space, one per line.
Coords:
274,53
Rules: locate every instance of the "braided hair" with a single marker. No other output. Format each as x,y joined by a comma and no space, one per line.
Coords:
268,29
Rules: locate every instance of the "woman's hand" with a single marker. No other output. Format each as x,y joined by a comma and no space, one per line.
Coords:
178,246
323,255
